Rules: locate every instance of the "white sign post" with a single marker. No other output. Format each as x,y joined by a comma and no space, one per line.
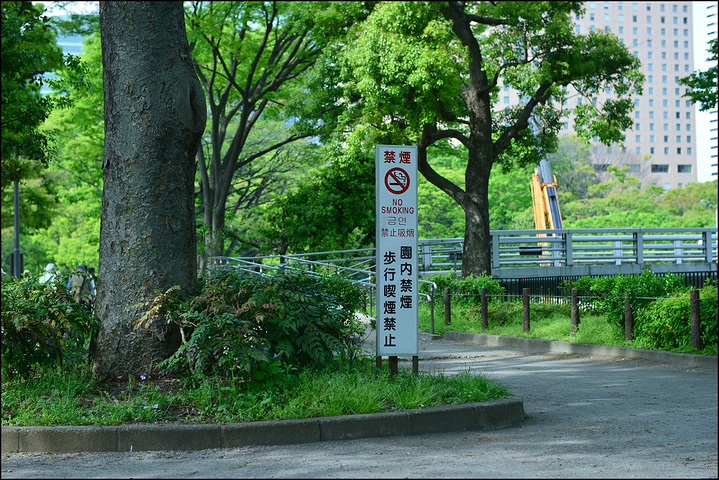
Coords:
396,262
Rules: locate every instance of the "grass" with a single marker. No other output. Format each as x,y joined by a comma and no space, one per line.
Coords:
61,397
547,322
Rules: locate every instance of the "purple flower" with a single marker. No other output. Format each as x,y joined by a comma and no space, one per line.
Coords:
275,355
142,377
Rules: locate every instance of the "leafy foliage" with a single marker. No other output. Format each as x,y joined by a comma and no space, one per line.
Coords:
257,327
704,84
29,50
642,289
666,323
41,326
467,289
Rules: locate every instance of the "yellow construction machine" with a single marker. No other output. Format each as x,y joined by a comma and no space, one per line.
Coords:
547,215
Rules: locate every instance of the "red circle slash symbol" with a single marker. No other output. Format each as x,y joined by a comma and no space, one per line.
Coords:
396,180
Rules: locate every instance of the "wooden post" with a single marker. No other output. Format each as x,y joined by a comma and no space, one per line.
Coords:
392,366
525,309
415,364
575,312
694,308
447,307
378,362
628,320
483,307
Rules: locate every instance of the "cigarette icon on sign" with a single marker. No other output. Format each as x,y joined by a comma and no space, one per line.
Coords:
396,180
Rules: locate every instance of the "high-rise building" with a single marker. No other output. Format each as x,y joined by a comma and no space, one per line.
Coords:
660,149
712,115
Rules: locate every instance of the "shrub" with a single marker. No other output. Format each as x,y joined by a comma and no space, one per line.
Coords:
248,326
40,327
641,289
465,290
666,323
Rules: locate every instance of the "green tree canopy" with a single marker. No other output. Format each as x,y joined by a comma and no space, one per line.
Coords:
29,51
704,84
422,72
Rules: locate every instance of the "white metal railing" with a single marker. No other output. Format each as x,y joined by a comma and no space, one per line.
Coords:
520,248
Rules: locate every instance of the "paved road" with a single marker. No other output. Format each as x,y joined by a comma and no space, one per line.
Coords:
591,417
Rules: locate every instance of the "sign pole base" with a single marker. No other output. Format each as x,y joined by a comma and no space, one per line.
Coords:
393,366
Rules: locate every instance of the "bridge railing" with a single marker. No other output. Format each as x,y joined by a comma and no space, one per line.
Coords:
519,248
573,247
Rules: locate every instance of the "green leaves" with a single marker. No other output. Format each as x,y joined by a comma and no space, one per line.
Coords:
260,328
40,327
704,84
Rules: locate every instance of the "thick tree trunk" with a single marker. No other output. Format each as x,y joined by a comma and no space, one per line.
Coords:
154,118
476,255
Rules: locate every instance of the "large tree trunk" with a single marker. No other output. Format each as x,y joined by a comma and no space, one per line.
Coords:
154,118
476,254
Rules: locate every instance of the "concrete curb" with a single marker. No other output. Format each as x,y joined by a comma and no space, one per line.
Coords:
534,345
491,415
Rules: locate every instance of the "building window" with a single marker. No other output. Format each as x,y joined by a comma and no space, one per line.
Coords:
635,168
621,19
606,17
679,150
600,167
651,150
667,186
651,138
651,113
660,168
689,139
666,138
679,139
684,169
639,150
689,151
591,17
666,150
651,127
689,127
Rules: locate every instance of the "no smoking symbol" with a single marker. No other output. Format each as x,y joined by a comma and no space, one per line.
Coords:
396,180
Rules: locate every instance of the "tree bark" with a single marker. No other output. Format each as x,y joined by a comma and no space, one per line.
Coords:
154,117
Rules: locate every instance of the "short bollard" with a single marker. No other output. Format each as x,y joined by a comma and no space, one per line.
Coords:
575,312
447,307
483,308
628,320
694,309
525,310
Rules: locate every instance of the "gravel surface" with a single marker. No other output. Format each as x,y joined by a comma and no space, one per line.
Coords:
589,417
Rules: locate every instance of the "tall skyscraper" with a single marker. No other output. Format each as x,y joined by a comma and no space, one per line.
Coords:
708,147
661,147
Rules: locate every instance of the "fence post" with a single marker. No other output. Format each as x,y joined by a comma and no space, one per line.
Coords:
447,307
575,312
628,320
525,310
483,307
694,308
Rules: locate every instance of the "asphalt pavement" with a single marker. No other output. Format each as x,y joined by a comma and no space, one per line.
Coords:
588,416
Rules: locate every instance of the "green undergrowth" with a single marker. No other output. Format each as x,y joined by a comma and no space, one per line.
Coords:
546,322
62,397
